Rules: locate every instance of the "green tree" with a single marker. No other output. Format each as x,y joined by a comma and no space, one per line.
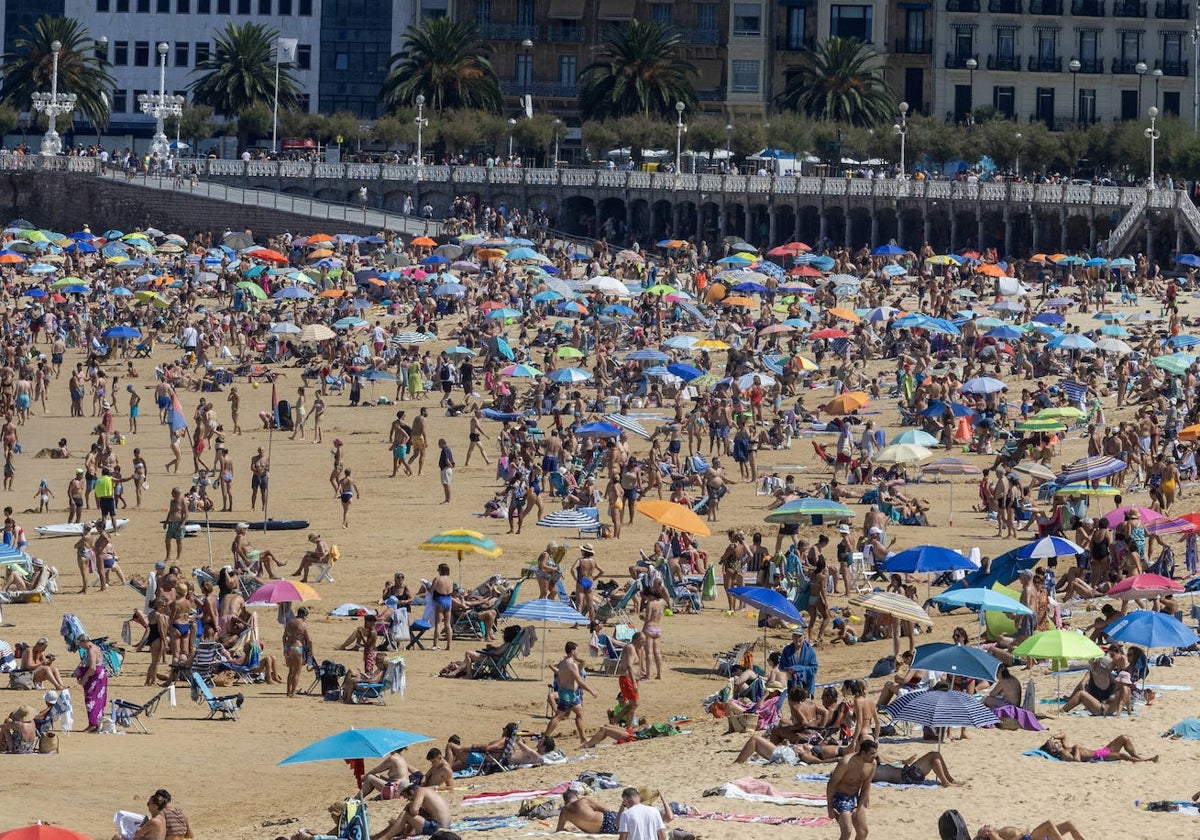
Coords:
395,130
705,135
195,125
749,138
535,135
253,123
1185,161
299,125
448,63
598,137
790,132
639,70
841,80
240,72
341,124
9,120
81,71
639,133
933,139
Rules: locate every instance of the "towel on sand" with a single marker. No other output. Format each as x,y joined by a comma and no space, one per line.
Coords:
689,812
1188,729
1041,754
1024,718
823,778
512,795
487,823
750,789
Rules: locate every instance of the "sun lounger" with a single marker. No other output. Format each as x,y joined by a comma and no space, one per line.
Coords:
227,707
129,715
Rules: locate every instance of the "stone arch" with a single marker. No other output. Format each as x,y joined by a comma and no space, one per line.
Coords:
993,231
785,223
808,228
611,210
330,194
937,218
662,220
913,226
858,228
735,219
639,214
966,232
394,200
579,216
708,221
686,214
1078,234
835,225
758,228
296,190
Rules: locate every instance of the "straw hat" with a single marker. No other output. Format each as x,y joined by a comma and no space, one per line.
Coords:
24,713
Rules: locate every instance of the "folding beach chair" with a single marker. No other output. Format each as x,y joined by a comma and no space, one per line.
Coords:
42,581
593,531
227,706
619,612
129,715
724,661
500,667
368,693
608,654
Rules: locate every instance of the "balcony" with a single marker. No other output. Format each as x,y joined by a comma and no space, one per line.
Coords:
1129,8
1172,68
1087,8
542,90
1004,62
913,46
1171,10
1045,7
958,61
1004,7
1091,66
1043,64
793,43
962,5
565,32
509,31
700,37
1125,66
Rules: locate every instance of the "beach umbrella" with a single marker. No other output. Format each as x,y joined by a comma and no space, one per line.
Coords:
1085,488
673,515
1060,412
1005,333
769,602
378,376
956,660
685,372
1072,341
41,831
680,342
827,333
927,558
598,430
280,591
503,314
1059,644
1049,547
121,332
568,352
950,467
547,611
349,323
459,350
292,293
1035,470
354,745
902,453
895,605
941,710
984,600
648,355
937,408
521,371
462,542
629,424
1176,363
982,385
569,375
573,519
410,337
255,290
1090,469
1167,527
284,328
847,403
889,250
1151,629
1041,424
817,510
315,332
1145,585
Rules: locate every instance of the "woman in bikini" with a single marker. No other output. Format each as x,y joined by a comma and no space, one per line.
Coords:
442,591
654,604
368,637
1118,749
106,552
181,623
297,647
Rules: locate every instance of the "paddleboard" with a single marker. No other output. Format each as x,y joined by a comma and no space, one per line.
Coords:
271,525
70,529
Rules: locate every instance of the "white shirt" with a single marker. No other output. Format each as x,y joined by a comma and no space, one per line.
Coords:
640,822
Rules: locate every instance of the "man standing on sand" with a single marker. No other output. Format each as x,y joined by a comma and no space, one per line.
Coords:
848,794
445,467
639,821
75,493
177,514
400,435
224,467
628,672
417,441
260,469
571,686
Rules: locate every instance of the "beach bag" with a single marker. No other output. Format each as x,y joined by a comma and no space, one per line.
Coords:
951,826
537,809
335,554
48,743
22,680
743,722
884,666
1029,700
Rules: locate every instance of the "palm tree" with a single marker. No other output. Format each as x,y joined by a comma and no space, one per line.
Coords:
638,71
240,72
447,62
81,70
841,80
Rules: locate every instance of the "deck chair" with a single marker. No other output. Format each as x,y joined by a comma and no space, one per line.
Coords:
42,581
353,823
618,613
129,715
724,661
368,693
609,655
227,706
500,667
208,658
685,596
503,762
593,531
824,457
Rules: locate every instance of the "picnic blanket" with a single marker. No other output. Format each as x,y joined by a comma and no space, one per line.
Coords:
750,789
823,778
497,796
1041,754
681,810
487,823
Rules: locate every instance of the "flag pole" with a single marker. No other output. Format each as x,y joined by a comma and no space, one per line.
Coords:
275,111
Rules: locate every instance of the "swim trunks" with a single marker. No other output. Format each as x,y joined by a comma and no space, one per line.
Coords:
174,530
844,803
22,401
258,482
400,452
910,775
430,828
608,823
629,689
569,698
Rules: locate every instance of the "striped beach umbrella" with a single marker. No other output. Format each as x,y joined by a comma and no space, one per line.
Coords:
800,510
409,337
629,424
1048,547
893,604
573,519
1169,527
1090,469
902,453
462,542
1083,488
941,709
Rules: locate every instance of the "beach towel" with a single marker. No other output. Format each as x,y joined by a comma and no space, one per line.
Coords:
1188,729
1025,719
1179,806
396,676
823,778
487,823
750,789
498,796
1041,754
681,810
127,823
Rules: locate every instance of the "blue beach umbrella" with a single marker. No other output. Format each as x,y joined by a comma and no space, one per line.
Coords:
927,558
685,372
121,332
768,601
569,376
888,250
984,600
956,660
1151,629
598,429
292,293
356,743
917,436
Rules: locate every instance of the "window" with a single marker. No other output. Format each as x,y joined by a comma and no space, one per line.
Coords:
747,19
122,5
135,102
523,71
1006,45
305,102
182,48
163,7
102,52
204,7
306,7
483,12
141,54
143,6
914,26
568,71
796,20
285,8
1004,99
202,52
1087,105
745,76
121,53
851,22
120,101
341,61
224,7
1170,103
304,57
1172,55
1047,45
101,5
1088,47
661,13
1044,101
183,7
1131,47
524,12
706,17
243,7
964,44
1129,105
264,7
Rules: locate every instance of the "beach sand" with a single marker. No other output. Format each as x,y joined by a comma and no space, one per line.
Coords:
224,774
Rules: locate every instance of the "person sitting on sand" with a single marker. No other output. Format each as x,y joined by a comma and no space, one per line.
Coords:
1045,831
36,659
623,735
472,658
1006,691
586,814
788,754
462,758
1098,692
318,554
1118,749
913,770
254,560
425,814
18,733
439,775
387,776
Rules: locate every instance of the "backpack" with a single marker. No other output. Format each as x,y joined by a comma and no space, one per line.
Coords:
951,826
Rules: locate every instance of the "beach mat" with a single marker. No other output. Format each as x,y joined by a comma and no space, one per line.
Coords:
498,796
749,789
1188,729
1041,754
487,823
823,778
681,810
1183,806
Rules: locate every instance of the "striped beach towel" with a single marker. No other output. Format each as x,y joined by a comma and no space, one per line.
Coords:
497,796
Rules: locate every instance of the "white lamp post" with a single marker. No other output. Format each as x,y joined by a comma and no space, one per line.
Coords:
53,104
971,65
901,128
1017,137
421,122
1152,135
1140,68
557,125
160,106
1074,66
679,129
512,124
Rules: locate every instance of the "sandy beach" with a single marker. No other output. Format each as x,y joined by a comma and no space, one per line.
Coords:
224,774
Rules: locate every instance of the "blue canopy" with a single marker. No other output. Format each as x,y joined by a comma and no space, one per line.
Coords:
768,601
356,743
927,558
598,430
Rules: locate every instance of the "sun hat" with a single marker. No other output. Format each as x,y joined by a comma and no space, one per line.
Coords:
1124,678
24,712
51,697
875,530
843,529
586,548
